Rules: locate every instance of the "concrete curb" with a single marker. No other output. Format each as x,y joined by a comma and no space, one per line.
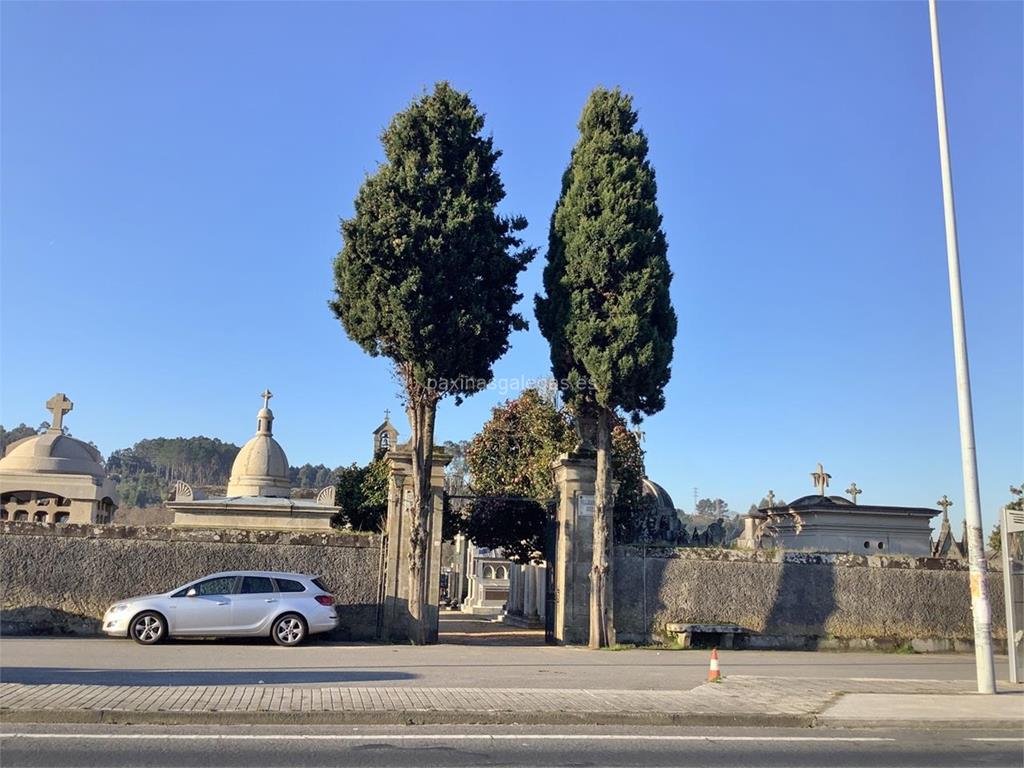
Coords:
407,717
924,725
427,717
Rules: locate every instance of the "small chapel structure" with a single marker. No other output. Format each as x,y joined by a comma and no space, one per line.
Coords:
55,478
823,523
259,492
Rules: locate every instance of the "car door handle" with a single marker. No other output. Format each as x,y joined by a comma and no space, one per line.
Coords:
222,602
270,600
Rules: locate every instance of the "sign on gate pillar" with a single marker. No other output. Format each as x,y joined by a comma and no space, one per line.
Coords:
395,618
575,475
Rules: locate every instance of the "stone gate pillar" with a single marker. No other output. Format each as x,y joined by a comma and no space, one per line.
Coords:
575,475
395,619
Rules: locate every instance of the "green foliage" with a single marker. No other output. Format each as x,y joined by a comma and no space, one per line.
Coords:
633,514
513,453
607,312
512,457
427,277
513,525
995,539
196,460
362,495
1017,491
145,471
427,274
456,474
714,508
310,476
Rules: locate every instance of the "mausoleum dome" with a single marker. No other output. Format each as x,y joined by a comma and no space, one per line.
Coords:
815,501
53,452
661,498
261,467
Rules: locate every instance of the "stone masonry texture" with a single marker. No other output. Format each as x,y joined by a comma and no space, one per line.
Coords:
60,579
805,600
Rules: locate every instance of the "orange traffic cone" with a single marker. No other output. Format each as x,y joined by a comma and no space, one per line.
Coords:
714,676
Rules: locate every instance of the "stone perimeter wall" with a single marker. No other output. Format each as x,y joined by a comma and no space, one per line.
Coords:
800,600
59,579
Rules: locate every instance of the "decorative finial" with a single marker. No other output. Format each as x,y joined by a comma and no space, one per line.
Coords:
771,499
821,478
854,491
387,415
58,405
267,394
945,503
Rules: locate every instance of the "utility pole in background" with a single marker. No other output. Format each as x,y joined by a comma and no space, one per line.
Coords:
972,506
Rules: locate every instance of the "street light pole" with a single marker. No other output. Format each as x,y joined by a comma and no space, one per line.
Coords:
972,507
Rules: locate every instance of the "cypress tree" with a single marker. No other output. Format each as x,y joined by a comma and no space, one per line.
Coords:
607,313
427,277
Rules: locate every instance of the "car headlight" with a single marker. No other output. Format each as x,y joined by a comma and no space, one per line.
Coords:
118,608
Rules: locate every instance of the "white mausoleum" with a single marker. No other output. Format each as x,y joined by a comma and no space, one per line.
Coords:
258,493
54,478
822,523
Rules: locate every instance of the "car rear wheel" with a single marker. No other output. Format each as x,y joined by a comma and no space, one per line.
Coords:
148,628
289,630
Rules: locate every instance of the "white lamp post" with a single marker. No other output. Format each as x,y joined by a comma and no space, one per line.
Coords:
975,543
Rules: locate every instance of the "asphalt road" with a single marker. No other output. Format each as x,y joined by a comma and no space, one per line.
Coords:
106,661
245,747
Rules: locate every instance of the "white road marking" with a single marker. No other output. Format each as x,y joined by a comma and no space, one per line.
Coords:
998,738
425,737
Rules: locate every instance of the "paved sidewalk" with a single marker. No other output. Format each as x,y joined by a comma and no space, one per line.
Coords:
739,701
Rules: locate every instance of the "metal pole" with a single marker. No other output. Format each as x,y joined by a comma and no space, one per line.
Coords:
972,506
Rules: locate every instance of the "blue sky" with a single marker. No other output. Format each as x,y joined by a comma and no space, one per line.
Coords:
173,175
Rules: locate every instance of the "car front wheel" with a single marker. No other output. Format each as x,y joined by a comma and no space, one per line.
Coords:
148,628
288,630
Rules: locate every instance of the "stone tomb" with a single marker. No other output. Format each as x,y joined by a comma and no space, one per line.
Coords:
259,491
488,583
54,478
822,523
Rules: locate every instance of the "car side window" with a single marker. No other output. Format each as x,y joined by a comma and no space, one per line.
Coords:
222,585
288,585
256,585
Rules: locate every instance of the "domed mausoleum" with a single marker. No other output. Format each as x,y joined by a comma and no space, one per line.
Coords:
258,492
54,478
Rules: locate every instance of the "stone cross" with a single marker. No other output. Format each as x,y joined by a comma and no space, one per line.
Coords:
821,478
771,499
854,491
945,503
58,405
267,394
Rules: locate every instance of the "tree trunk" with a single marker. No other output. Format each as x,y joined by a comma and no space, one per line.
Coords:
602,627
422,408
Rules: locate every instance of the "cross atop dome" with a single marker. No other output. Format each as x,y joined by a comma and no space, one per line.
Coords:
265,418
58,405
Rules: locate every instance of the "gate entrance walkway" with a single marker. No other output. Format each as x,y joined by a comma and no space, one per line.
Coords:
457,628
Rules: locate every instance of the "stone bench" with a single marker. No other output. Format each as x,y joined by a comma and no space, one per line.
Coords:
724,633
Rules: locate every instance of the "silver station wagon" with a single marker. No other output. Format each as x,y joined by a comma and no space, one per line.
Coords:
286,606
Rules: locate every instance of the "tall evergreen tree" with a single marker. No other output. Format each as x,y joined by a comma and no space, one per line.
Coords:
607,312
427,276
